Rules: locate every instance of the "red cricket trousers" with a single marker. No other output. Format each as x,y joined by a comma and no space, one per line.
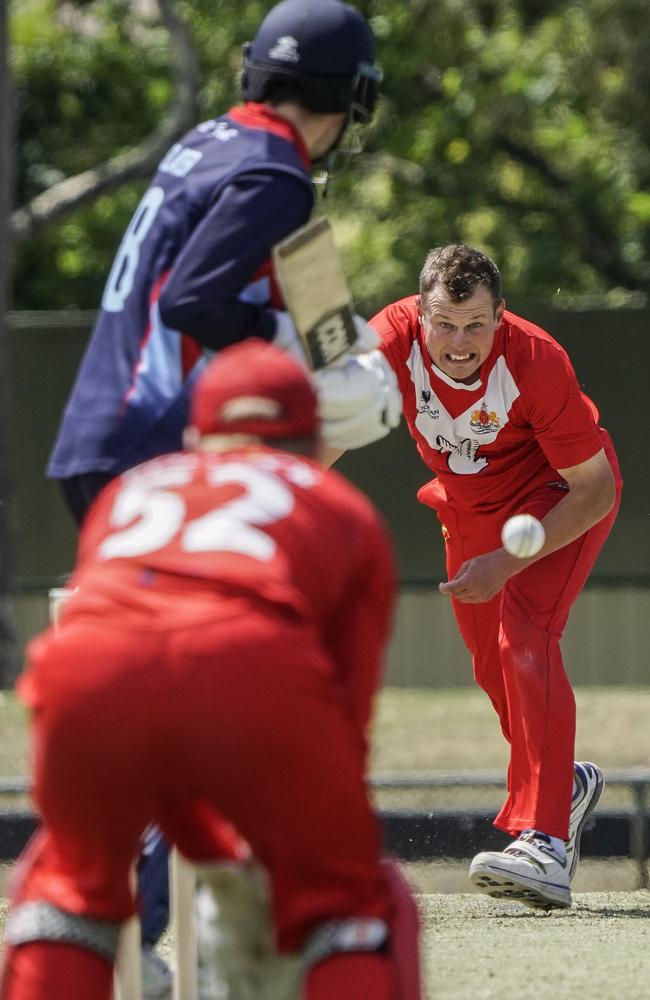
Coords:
241,716
514,640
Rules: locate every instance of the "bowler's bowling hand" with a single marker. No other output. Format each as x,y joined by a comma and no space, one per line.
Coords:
480,579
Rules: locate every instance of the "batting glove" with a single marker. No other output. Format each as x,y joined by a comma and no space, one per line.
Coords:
359,400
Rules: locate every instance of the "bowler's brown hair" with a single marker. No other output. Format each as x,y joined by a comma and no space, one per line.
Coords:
460,270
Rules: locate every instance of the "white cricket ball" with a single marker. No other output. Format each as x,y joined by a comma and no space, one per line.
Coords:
522,535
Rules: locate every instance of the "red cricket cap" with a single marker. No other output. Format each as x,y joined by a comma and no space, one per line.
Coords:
255,388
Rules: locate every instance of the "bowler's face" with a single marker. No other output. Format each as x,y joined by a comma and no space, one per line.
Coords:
459,335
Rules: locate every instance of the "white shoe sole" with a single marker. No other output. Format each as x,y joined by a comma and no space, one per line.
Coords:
511,887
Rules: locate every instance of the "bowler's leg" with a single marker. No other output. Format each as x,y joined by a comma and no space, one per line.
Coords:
536,605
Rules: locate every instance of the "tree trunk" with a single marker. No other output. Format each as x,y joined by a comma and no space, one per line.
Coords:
8,658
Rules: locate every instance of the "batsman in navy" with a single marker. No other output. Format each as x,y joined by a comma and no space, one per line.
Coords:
193,272
193,275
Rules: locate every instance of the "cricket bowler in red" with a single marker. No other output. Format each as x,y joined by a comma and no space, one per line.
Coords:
242,594
497,415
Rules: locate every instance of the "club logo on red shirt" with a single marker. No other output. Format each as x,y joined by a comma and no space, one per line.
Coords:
483,421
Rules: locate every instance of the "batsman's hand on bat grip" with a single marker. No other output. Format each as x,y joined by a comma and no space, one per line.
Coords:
288,339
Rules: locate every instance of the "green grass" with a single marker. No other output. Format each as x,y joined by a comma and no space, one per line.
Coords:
457,730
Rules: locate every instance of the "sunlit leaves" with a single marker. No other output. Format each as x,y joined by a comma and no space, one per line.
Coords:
519,125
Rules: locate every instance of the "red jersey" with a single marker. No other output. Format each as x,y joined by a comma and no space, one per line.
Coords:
500,438
194,537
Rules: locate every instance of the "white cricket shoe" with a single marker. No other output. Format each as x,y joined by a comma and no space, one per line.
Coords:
156,976
587,787
528,871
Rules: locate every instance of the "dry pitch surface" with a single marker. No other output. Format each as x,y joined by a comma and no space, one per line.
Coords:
474,949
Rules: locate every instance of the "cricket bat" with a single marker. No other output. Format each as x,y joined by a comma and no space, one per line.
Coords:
316,292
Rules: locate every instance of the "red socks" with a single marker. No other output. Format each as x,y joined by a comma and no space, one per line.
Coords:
42,970
353,976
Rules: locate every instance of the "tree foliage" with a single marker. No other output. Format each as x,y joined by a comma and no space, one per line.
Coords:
519,126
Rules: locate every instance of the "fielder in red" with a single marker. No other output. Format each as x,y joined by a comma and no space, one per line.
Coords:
221,653
497,414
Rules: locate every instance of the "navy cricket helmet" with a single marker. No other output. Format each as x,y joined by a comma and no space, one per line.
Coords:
322,49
